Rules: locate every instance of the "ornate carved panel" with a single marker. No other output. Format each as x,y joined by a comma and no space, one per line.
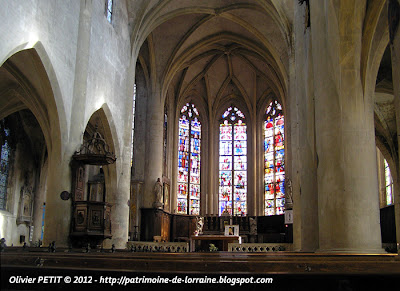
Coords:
78,182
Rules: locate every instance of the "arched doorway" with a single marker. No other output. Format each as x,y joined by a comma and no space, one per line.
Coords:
30,136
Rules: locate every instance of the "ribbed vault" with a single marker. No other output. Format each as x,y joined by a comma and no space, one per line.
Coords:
215,50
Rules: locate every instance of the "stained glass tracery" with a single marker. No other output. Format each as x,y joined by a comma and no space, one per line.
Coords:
188,195
233,163
274,160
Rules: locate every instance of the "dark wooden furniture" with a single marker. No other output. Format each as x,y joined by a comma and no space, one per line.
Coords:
91,214
388,228
155,223
158,223
92,223
182,227
306,271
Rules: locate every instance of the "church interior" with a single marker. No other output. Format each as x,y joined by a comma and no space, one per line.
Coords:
206,137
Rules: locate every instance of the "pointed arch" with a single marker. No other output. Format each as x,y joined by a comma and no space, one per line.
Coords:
103,121
29,82
36,88
180,61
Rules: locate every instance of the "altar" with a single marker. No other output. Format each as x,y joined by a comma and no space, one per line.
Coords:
202,242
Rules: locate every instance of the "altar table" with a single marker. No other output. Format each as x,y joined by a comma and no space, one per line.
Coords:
220,241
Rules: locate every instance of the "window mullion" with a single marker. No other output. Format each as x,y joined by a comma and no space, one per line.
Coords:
233,168
189,165
274,161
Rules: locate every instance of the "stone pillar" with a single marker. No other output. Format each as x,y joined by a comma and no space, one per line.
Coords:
120,201
213,146
348,204
154,147
81,72
58,212
395,50
304,170
134,218
252,168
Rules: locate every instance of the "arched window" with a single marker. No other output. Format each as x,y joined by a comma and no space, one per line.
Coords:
388,184
4,166
232,163
274,160
188,187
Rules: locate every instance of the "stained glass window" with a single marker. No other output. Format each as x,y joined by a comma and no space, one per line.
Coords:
188,195
4,168
274,160
388,184
233,163
109,10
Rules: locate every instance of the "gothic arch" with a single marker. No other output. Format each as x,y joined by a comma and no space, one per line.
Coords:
29,90
32,84
185,58
157,13
102,121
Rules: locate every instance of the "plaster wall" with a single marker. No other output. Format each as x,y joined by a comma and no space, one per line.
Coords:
90,62
52,23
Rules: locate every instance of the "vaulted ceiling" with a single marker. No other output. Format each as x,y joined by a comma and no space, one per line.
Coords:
209,50
385,112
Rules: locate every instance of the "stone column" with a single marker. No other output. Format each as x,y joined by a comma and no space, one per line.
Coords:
252,167
348,204
58,212
213,146
120,201
304,171
395,50
134,217
154,147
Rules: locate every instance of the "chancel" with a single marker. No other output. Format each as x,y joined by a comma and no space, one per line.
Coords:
204,137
